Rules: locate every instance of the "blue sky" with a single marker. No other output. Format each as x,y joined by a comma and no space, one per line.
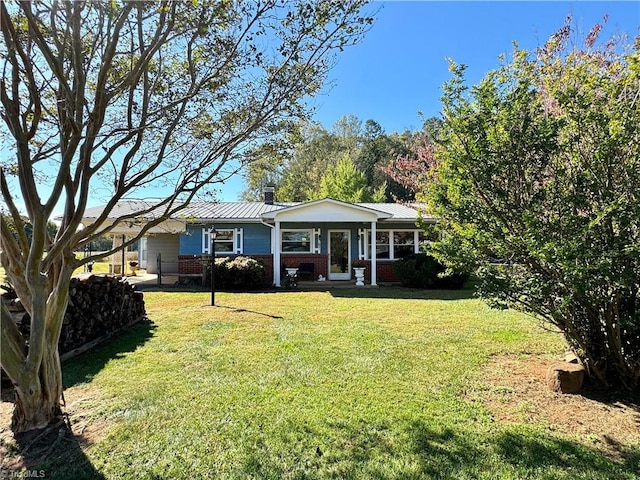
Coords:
399,67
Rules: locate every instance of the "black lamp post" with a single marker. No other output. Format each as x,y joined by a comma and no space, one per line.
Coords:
212,235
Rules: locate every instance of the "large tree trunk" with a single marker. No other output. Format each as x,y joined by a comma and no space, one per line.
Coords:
39,394
34,367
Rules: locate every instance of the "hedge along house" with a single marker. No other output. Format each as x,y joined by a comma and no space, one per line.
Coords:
320,238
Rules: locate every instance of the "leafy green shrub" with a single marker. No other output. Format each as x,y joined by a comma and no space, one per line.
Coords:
239,273
423,271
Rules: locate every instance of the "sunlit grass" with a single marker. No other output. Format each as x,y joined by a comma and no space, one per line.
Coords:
98,268
313,385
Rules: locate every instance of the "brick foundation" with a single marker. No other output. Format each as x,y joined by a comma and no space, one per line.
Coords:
384,270
192,264
320,262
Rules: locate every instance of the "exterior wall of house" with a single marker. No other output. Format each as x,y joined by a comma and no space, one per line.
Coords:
193,264
191,240
257,244
256,238
384,270
320,263
168,245
324,233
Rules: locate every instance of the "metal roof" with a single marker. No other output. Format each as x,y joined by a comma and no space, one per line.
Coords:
122,208
199,212
204,211
230,211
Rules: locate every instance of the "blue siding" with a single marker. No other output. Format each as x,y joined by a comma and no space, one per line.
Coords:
257,238
191,240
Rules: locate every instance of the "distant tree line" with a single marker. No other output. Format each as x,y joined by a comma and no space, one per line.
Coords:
349,162
100,244
52,228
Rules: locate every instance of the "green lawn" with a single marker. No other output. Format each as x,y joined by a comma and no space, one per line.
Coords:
355,384
98,268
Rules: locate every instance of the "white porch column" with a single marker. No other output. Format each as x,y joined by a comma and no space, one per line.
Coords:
374,253
276,255
117,267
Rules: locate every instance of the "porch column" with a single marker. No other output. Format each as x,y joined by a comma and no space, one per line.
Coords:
374,253
116,241
276,255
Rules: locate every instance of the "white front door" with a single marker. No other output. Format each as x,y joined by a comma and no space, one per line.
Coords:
339,258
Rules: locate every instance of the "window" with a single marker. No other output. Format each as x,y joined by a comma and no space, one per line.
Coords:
224,242
393,244
227,241
296,241
403,244
382,245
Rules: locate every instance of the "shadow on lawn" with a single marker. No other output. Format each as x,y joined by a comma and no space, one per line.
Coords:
84,367
53,452
244,310
594,390
461,455
397,292
373,451
347,290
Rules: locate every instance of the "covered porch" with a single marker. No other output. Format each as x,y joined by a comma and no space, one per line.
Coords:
327,235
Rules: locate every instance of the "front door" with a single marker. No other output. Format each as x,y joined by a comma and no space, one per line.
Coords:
339,248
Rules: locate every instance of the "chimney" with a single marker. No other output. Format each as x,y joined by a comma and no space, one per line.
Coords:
269,195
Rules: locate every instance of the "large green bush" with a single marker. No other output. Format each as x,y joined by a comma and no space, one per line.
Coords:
239,273
539,163
423,271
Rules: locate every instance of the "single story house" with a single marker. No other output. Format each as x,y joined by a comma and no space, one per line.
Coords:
322,238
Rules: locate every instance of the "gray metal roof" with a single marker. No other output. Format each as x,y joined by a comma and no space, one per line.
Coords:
199,212
122,208
204,211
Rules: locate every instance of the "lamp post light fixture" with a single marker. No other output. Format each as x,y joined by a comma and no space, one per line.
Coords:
213,233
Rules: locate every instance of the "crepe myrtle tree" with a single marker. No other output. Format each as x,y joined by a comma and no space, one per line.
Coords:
536,181
105,99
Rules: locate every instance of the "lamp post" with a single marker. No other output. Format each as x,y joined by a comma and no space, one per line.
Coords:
212,236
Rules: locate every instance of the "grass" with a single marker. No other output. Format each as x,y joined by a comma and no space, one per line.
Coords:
98,267
354,384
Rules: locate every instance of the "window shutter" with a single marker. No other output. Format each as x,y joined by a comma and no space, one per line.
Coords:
205,240
362,242
239,240
316,240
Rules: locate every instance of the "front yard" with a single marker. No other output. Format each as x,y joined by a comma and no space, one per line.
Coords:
376,383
